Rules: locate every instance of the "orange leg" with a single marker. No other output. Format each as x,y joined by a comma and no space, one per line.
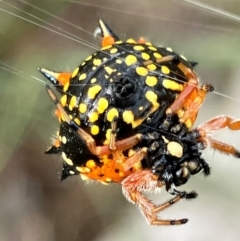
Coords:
220,122
223,147
216,124
192,84
134,159
143,180
106,150
191,107
190,98
193,104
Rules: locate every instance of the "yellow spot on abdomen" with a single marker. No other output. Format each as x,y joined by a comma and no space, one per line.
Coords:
108,70
165,69
93,80
97,62
152,48
63,100
82,108
145,56
93,91
77,121
102,105
151,81
66,86
83,169
73,102
113,50
151,67
112,113
64,139
131,41
157,55
152,97
88,58
118,61
138,47
93,116
108,179
82,76
67,160
91,164
106,47
128,116
94,129
172,85
75,72
130,59
141,71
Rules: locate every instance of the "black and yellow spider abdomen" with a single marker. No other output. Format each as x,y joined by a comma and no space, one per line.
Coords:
122,81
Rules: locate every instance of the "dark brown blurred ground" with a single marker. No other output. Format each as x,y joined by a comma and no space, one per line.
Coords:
34,204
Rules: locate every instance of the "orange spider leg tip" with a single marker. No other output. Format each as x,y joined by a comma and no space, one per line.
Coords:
106,41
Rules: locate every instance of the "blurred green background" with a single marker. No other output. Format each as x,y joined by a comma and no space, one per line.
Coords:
34,204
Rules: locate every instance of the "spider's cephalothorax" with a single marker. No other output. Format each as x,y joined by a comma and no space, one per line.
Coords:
126,116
